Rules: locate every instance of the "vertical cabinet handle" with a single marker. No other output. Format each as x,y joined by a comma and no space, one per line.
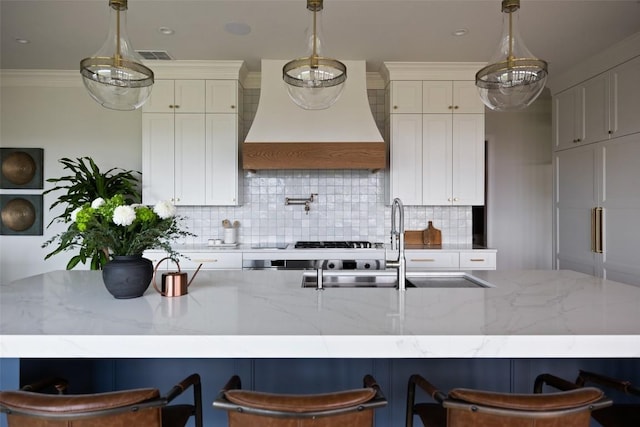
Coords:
596,230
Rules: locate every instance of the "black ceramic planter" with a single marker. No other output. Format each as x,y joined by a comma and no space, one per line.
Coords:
127,276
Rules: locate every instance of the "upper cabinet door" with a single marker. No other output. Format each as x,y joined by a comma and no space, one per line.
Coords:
189,96
568,118
406,158
437,97
406,97
176,96
596,109
456,97
466,98
625,102
161,99
222,96
468,160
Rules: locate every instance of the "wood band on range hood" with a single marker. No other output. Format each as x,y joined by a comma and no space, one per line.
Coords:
285,136
314,155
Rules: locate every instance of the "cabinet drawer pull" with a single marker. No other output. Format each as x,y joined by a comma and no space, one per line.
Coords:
233,107
395,107
477,260
422,260
206,260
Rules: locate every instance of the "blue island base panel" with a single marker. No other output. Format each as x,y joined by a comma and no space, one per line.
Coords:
304,376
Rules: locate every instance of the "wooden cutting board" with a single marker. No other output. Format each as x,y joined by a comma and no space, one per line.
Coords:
432,236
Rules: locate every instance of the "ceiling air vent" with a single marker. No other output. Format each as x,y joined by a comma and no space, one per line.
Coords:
160,55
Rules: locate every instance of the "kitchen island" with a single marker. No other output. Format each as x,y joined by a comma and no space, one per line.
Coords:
280,337
267,314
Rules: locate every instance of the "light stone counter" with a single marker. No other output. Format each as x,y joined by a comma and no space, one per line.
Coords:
253,314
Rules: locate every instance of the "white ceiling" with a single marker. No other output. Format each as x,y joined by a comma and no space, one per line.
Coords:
62,32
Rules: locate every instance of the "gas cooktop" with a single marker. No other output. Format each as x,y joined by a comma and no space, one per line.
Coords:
335,244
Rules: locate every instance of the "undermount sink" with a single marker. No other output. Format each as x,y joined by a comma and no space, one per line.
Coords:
388,279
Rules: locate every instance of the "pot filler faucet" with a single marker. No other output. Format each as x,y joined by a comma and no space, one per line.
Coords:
397,239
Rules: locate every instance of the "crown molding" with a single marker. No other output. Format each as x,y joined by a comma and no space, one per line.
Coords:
214,70
430,70
40,78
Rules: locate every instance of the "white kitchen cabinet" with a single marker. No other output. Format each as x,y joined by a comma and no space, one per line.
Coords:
176,96
213,260
190,260
451,97
568,118
190,143
597,209
436,152
451,260
603,107
222,96
223,182
453,159
406,158
173,162
406,97
477,260
421,260
625,99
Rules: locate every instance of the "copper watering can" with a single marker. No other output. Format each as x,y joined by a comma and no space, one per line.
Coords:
174,284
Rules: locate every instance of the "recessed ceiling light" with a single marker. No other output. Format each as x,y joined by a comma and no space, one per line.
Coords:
460,32
166,31
22,41
237,28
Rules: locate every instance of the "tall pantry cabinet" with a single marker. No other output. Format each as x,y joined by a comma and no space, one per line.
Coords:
190,134
597,173
436,134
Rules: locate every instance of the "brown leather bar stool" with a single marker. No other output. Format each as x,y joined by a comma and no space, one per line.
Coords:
618,414
143,407
348,408
469,408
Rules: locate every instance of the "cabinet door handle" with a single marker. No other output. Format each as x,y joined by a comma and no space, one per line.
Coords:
455,199
422,260
596,230
599,242
450,107
233,107
455,107
395,107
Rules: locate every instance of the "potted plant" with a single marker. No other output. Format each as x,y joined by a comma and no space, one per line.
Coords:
122,232
85,184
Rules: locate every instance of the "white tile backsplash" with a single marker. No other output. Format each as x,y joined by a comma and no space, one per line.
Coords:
349,206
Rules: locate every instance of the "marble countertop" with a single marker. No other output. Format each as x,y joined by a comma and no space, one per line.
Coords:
267,314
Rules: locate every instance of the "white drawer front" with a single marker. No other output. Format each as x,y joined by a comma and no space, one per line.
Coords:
430,260
211,260
477,260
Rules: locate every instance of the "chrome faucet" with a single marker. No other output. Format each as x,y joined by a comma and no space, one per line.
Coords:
397,239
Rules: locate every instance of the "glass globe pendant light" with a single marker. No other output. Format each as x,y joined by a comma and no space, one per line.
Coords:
514,77
314,82
115,76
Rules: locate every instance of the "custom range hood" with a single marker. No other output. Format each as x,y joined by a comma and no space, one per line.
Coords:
285,136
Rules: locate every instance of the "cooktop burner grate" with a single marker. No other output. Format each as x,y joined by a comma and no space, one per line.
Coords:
339,244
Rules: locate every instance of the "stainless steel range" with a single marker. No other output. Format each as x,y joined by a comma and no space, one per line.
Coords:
327,255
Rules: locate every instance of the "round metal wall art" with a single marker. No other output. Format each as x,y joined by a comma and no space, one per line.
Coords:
19,168
19,214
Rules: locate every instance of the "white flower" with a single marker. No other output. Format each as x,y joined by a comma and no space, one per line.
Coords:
124,215
164,209
97,203
74,214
